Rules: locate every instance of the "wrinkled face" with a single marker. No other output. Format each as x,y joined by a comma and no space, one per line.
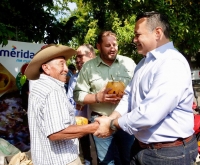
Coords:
145,39
56,68
108,49
84,54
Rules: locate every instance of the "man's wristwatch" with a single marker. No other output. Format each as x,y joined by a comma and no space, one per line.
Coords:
112,126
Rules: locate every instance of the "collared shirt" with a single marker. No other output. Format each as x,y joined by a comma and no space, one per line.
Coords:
94,76
159,98
31,84
71,86
69,74
49,111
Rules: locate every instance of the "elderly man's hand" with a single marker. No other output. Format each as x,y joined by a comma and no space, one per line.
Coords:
104,127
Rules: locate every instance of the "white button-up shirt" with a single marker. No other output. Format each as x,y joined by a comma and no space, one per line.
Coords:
159,98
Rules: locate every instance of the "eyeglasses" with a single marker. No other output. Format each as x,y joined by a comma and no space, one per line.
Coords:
81,55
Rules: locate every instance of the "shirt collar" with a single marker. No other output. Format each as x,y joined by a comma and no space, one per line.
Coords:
44,76
157,53
100,61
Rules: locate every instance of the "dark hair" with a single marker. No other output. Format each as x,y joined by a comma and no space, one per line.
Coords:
104,34
71,67
155,19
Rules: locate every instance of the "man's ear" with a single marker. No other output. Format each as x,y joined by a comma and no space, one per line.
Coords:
98,47
158,32
90,54
45,68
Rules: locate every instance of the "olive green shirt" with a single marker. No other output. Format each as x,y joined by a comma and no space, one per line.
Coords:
95,74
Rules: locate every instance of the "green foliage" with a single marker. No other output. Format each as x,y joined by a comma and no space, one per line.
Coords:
34,21
5,33
119,16
37,22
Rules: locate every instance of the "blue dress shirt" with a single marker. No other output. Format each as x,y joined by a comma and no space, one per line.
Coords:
71,86
157,105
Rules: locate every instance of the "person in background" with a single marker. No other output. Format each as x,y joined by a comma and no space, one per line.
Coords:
84,53
52,125
157,105
90,89
70,73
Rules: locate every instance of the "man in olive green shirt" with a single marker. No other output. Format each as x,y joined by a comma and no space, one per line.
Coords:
90,89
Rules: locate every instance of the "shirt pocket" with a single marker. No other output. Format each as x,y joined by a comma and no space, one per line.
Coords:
125,76
96,83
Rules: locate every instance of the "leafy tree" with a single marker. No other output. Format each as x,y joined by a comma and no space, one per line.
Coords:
37,22
119,16
34,21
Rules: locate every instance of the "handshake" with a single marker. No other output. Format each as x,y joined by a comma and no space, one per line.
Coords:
104,126
107,126
112,93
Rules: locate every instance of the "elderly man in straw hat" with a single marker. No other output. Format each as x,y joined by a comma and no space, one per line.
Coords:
51,116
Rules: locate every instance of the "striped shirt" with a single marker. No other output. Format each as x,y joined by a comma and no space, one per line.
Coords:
49,111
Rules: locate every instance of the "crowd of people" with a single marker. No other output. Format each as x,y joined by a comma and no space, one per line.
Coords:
145,125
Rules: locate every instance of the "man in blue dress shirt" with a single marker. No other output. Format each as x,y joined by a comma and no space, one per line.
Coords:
157,105
85,53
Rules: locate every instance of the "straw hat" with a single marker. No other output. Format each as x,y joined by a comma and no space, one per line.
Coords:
47,53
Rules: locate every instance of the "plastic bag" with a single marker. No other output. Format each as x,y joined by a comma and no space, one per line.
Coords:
7,149
20,159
